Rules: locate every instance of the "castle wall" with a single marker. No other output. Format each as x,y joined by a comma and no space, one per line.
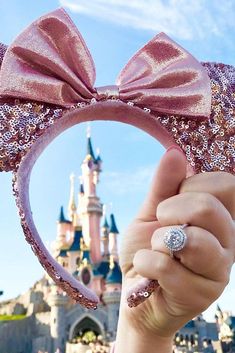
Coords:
16,336
112,300
43,323
42,344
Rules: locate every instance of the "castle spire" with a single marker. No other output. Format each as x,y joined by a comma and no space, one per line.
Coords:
113,232
61,218
113,226
90,151
72,205
105,233
91,207
105,224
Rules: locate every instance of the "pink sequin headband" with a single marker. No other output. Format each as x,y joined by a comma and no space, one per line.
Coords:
47,85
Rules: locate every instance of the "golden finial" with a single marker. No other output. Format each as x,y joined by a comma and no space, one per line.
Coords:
88,130
111,262
104,209
72,205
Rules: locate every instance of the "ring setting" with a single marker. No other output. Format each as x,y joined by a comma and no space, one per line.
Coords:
175,239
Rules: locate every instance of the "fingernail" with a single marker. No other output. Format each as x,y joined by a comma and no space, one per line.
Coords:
175,147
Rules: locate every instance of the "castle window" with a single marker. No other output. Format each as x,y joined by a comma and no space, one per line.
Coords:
86,276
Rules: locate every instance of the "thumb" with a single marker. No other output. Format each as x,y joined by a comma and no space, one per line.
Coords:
166,182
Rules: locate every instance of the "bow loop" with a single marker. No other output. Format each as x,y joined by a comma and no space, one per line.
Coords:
167,79
49,62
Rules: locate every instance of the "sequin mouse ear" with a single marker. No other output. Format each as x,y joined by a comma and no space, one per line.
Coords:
162,90
22,122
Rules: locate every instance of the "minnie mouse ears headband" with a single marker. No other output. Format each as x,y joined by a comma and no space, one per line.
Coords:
47,85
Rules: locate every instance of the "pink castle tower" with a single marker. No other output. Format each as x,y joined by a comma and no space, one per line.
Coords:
90,207
83,247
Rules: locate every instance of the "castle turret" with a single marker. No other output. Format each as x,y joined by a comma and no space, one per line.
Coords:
112,296
99,163
90,207
72,209
63,226
58,303
74,251
114,276
105,237
63,258
113,232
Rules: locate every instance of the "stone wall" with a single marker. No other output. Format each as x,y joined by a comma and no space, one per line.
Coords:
42,324
16,336
42,344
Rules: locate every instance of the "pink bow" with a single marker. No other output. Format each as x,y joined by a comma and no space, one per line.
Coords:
50,62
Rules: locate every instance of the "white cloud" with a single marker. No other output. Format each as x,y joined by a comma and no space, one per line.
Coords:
184,19
129,181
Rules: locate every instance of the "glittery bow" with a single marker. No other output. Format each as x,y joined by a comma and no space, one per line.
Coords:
50,62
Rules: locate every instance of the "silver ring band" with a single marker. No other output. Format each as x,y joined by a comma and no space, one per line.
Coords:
175,239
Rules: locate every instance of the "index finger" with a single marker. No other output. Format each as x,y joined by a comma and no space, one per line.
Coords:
219,184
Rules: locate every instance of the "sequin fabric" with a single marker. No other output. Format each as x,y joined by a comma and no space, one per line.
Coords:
73,292
139,296
209,145
22,123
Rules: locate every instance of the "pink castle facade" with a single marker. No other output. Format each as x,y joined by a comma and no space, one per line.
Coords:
84,247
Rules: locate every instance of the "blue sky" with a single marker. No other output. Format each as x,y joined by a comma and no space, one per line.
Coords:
114,30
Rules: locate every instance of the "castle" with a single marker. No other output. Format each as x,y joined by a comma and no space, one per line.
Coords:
52,322
89,252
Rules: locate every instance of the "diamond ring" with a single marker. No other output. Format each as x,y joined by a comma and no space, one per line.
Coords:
175,239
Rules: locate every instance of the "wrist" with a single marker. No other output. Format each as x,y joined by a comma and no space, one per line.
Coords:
132,340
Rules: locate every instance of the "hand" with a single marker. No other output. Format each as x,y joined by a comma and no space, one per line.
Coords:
191,283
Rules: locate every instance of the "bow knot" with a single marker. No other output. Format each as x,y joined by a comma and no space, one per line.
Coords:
107,92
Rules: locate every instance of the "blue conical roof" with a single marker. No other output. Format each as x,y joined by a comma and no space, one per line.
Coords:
113,226
63,253
90,149
103,268
86,255
61,217
105,224
75,246
98,159
114,275
81,189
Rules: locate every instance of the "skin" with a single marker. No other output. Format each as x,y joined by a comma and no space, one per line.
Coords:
198,274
